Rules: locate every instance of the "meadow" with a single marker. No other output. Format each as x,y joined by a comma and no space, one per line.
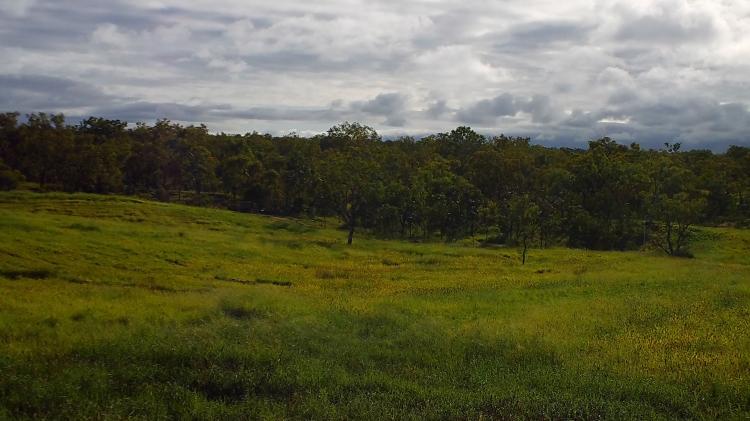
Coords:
114,307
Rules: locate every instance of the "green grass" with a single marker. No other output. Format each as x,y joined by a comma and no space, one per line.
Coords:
113,307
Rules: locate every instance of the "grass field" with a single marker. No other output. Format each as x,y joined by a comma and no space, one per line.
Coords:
112,307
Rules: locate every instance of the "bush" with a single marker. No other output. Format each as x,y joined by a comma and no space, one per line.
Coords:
683,253
9,178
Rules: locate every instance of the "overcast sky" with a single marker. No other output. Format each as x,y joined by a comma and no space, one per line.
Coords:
561,71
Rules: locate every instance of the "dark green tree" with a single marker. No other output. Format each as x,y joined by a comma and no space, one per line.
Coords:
525,215
9,178
351,174
675,204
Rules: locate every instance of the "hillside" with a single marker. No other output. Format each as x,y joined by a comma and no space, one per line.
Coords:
113,307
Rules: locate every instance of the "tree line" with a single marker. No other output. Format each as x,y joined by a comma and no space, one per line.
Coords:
501,189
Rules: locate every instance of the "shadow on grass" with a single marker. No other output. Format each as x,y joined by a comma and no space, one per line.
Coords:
290,226
26,273
241,311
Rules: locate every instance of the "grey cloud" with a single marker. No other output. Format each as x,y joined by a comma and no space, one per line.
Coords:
391,105
695,121
665,27
395,121
437,109
37,92
448,28
16,8
283,114
541,109
67,25
383,104
534,35
149,111
648,71
31,93
487,111
622,95
581,119
679,112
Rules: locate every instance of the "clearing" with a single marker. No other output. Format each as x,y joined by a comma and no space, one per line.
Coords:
114,307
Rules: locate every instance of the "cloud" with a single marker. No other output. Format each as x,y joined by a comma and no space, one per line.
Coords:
541,109
487,111
392,106
16,8
283,114
695,121
383,104
437,109
149,111
28,93
670,22
560,72
543,35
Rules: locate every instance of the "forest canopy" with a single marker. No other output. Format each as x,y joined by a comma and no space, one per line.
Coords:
452,185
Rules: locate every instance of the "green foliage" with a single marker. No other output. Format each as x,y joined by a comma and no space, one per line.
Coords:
675,203
105,324
524,215
609,184
450,203
9,178
452,185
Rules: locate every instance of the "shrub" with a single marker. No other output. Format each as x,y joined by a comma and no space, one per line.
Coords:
683,253
9,178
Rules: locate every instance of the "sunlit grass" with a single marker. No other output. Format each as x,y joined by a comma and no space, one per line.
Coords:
116,307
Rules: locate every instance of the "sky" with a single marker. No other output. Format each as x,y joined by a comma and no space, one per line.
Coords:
561,72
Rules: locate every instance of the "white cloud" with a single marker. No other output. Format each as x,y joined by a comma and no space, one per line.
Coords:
108,33
16,8
558,71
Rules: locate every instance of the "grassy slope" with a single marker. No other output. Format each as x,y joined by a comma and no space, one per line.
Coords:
114,307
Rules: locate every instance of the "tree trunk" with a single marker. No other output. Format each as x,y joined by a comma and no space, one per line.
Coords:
541,238
523,253
669,239
351,232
